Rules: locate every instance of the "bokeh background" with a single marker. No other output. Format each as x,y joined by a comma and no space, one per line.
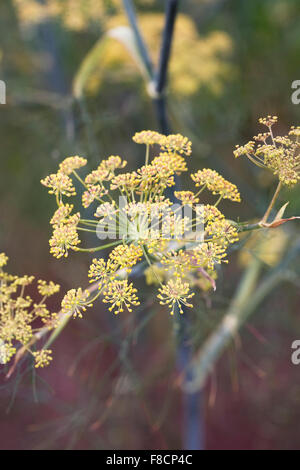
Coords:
233,61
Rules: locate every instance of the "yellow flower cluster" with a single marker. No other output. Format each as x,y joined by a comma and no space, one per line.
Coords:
177,246
209,254
64,238
120,294
173,143
92,193
147,138
187,197
176,144
47,289
280,154
77,15
75,302
215,183
174,162
20,317
101,272
42,358
175,294
72,163
3,259
177,261
125,256
222,231
59,184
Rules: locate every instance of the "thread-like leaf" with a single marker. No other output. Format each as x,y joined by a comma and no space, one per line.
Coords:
90,63
93,59
125,35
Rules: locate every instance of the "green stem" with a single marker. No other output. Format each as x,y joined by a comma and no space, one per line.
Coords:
245,227
219,200
79,179
147,154
86,230
98,248
272,203
151,265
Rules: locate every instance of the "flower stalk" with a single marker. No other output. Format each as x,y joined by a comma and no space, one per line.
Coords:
272,203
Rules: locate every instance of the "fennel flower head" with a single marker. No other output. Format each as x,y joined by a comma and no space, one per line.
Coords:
134,215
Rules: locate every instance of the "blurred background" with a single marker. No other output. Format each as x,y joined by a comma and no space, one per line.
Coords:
232,62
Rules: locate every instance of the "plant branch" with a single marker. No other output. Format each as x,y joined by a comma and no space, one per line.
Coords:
162,74
171,14
131,15
272,203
